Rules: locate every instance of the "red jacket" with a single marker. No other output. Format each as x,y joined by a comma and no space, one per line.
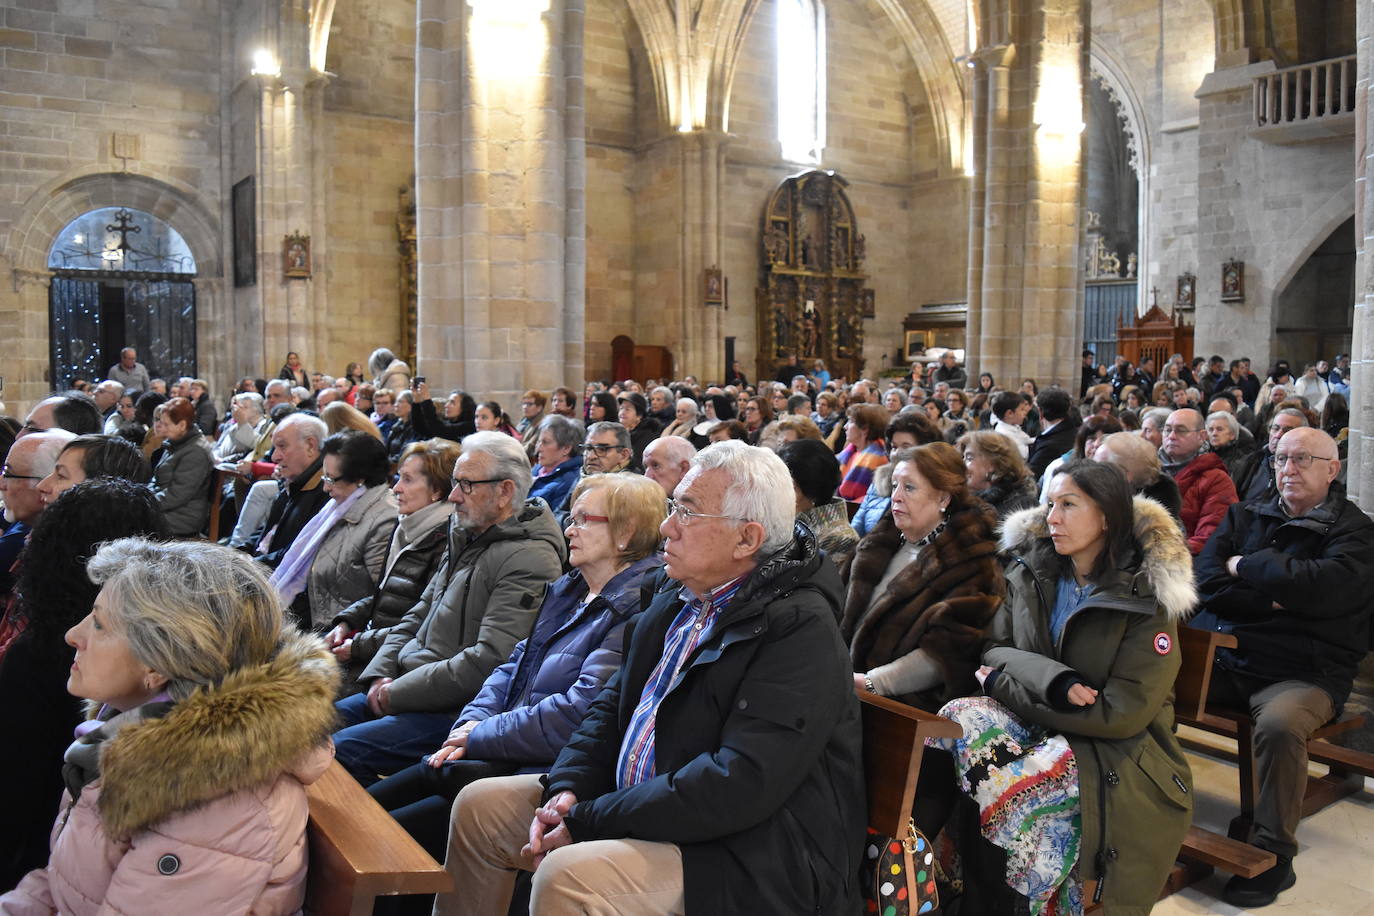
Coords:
1207,492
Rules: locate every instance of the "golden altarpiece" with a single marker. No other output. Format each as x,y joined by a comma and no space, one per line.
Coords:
811,297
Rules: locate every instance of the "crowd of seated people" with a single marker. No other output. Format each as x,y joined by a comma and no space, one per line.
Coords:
616,640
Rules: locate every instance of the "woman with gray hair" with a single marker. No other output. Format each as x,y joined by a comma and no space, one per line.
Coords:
685,418
187,786
1227,443
389,371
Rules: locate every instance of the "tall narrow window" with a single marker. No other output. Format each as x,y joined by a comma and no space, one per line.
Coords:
801,79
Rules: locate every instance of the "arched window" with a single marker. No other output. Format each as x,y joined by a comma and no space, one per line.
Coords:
122,278
120,239
801,79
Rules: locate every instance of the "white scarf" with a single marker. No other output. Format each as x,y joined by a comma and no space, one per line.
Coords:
294,570
414,527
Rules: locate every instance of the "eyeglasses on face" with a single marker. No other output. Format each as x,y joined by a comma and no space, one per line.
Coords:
581,520
600,449
466,485
686,516
7,474
1303,462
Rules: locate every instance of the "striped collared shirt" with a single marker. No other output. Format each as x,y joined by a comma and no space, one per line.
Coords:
688,629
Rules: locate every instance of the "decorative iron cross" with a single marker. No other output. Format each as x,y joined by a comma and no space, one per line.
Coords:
122,225
1154,295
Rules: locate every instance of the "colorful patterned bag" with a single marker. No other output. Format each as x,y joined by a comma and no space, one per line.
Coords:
899,875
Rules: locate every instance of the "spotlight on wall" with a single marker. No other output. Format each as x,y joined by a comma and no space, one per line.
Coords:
508,37
265,63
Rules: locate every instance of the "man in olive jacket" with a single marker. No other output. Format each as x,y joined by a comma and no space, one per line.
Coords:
1290,576
503,551
719,771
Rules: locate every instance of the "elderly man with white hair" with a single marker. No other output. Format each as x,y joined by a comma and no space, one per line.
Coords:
724,751
667,460
107,395
503,550
1290,575
296,450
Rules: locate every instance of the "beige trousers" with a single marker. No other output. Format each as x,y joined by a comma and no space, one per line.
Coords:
491,823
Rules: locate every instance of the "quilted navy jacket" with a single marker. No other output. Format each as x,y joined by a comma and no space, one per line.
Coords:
529,707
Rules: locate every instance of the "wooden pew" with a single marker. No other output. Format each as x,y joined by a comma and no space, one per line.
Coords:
1203,849
217,479
1346,768
894,737
358,852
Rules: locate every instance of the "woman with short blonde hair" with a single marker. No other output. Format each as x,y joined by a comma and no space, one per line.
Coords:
339,415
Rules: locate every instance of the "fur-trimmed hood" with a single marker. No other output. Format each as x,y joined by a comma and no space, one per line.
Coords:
1166,566
256,724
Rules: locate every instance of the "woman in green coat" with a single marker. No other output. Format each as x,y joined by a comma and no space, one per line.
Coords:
1080,662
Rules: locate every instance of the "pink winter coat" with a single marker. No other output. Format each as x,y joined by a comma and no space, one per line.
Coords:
202,810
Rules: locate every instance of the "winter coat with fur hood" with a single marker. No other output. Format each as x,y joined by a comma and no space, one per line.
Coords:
199,807
1135,788
942,602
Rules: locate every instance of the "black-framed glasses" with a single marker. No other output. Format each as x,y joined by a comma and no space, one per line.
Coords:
1179,430
1302,461
466,485
7,474
600,450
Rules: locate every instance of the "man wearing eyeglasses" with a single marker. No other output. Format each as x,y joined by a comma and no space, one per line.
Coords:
502,550
1203,483
1255,479
30,459
607,449
723,754
1290,575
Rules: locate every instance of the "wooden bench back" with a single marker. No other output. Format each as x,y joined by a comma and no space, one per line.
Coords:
358,852
1199,650
894,738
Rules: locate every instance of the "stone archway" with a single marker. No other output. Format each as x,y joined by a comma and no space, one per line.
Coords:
51,208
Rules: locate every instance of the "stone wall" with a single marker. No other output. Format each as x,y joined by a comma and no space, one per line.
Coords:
74,76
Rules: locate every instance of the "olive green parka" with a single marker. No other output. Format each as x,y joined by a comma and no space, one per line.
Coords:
1135,787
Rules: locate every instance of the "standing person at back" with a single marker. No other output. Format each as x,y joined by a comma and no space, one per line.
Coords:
129,372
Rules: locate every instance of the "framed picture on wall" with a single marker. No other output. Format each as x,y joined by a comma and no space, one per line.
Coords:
295,256
1187,291
245,232
1233,281
714,287
916,343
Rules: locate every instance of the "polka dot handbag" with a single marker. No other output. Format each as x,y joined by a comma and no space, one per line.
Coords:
899,874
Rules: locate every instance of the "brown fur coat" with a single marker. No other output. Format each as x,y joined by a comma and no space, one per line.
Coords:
943,602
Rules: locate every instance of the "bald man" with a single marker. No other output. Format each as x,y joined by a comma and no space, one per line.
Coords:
1290,575
667,460
1204,485
30,459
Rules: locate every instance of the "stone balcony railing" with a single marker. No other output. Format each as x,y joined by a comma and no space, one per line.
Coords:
1309,102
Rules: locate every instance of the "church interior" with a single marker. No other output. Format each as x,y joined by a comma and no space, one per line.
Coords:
515,194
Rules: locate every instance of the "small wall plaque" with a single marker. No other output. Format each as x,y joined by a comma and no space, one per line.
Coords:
1187,291
295,254
1233,281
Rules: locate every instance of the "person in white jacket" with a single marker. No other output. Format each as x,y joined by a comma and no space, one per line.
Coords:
1312,386
1009,410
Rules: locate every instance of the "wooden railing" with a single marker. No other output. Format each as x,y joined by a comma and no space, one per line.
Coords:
1306,93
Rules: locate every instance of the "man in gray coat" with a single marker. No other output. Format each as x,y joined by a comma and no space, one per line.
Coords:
503,550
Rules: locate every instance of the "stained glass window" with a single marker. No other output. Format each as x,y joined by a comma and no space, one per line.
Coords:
121,239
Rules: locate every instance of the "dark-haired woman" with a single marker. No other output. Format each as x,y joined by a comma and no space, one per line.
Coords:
54,594
338,556
601,408
294,372
86,457
459,419
181,478
1078,676
815,478
923,584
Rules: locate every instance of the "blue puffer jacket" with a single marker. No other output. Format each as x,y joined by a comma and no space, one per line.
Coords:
531,705
555,488
870,511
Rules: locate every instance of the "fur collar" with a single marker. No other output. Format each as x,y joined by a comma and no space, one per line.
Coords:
245,731
1165,564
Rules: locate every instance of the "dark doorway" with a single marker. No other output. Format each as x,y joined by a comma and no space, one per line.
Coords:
93,315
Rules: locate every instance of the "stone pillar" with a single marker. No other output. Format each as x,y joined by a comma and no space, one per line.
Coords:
500,185
1027,303
1360,475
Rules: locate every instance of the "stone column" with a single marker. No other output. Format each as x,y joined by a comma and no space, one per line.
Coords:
1360,475
1025,308
500,185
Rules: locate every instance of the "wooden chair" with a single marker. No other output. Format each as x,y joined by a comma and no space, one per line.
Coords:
217,481
358,852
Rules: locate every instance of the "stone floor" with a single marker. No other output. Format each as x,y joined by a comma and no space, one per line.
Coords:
1335,869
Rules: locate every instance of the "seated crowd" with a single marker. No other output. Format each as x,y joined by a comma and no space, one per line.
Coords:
616,639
